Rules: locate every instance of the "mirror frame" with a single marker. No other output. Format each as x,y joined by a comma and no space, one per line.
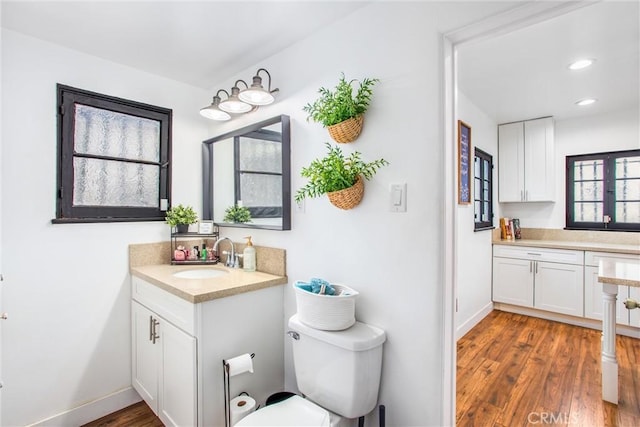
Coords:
207,172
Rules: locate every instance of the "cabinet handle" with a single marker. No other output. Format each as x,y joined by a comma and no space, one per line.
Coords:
530,266
151,332
155,335
536,266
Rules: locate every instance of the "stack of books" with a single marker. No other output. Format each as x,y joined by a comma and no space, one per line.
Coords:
510,229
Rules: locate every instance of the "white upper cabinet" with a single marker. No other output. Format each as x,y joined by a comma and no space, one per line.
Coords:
525,161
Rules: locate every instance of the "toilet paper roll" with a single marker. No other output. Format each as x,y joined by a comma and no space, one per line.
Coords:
241,406
240,364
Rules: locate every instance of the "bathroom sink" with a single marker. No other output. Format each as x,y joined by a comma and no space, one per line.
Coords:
200,273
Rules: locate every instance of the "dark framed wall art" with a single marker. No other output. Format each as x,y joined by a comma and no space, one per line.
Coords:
464,163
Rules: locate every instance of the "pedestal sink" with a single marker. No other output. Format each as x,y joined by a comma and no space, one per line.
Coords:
200,273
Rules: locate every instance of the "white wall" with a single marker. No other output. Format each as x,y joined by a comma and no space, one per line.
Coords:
473,272
614,131
69,338
393,259
67,286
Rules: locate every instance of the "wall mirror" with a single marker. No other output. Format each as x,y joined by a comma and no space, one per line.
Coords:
250,167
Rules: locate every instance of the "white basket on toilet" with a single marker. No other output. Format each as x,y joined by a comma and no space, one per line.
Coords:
327,312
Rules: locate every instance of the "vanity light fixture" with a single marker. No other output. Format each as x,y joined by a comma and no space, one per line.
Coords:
213,111
256,94
241,101
581,63
586,101
233,104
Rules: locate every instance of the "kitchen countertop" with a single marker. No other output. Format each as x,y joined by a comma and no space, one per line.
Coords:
236,281
580,246
617,272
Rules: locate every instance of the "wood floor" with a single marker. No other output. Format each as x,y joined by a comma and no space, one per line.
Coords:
515,370
137,415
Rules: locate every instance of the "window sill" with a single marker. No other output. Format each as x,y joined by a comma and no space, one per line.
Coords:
101,220
491,227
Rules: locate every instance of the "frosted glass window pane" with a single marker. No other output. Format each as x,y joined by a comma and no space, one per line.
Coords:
588,191
261,190
107,133
589,170
588,212
628,212
477,188
485,213
260,156
628,167
628,189
486,169
476,167
111,183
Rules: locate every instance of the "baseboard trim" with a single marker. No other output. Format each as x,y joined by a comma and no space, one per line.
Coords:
628,331
93,410
473,321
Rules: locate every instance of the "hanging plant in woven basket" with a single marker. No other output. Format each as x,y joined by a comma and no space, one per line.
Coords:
341,178
340,111
349,197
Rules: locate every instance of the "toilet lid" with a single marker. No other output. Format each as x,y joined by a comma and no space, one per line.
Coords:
295,411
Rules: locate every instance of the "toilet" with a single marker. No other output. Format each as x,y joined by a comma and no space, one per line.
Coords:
337,372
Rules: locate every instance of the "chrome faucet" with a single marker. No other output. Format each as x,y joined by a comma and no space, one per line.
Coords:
231,256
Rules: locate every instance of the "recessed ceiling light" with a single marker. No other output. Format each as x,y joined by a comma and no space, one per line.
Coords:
586,101
580,64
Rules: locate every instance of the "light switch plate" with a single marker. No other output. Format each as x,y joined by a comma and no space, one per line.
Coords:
398,197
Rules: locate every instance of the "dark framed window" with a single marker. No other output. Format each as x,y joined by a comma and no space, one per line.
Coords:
258,172
114,158
603,191
482,190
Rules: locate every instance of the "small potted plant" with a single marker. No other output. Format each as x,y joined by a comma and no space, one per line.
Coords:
180,217
340,111
340,177
237,214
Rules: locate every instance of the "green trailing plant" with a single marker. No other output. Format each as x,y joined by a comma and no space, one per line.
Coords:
237,214
181,215
335,172
336,106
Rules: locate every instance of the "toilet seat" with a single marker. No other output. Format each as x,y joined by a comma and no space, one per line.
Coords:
295,412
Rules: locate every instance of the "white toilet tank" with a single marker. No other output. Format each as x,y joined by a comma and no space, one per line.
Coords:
338,370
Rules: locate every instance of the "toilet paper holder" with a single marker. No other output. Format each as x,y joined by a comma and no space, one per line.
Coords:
227,392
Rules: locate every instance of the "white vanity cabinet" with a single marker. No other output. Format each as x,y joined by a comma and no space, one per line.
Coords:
526,160
178,345
547,279
593,290
163,357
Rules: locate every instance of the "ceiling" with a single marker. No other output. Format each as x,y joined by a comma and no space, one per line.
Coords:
523,74
197,42
515,76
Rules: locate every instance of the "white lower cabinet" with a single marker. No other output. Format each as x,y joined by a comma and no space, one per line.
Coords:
178,348
164,367
513,281
548,279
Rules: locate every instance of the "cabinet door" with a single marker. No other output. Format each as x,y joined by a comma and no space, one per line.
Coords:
145,361
593,298
539,182
178,382
513,281
511,162
559,288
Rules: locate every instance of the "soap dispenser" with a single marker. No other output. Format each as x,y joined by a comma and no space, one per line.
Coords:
249,256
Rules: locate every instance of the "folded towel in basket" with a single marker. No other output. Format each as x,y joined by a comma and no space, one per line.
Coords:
317,286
